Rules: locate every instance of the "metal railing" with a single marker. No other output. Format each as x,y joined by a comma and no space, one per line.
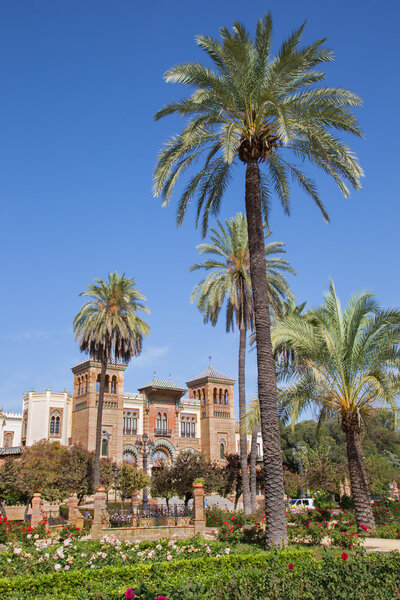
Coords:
188,434
163,432
133,517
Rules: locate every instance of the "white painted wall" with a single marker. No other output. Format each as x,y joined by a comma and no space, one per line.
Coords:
38,405
10,422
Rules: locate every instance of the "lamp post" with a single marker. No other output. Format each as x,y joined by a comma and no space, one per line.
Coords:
115,471
297,457
144,446
105,437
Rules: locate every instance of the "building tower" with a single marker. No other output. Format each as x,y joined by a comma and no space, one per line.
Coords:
214,390
84,412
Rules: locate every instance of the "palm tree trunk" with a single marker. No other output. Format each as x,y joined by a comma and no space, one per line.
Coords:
275,532
358,478
96,472
242,415
253,471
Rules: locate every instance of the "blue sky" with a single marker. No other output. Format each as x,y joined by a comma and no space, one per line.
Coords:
80,81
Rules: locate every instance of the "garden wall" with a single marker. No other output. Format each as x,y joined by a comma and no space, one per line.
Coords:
149,534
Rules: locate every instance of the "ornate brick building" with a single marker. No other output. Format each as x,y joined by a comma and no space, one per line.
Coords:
200,417
204,420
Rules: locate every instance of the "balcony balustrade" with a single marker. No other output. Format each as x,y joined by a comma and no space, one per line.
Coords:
163,432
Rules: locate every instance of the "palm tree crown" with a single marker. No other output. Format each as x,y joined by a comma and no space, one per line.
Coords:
349,359
251,105
107,326
229,280
348,362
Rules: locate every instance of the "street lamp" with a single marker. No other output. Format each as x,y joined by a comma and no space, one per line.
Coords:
144,446
297,457
115,471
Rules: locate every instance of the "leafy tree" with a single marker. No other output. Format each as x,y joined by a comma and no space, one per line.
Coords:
108,328
160,483
9,494
131,479
42,468
321,473
350,365
270,114
189,466
228,284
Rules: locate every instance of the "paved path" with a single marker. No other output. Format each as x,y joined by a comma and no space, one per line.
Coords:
381,545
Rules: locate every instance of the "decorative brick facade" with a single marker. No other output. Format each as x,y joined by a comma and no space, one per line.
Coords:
160,411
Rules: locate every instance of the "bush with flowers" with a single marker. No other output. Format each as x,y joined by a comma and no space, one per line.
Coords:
284,574
49,556
217,516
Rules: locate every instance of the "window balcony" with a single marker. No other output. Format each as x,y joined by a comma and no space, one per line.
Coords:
187,434
163,432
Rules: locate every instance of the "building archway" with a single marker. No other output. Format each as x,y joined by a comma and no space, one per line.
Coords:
162,450
130,454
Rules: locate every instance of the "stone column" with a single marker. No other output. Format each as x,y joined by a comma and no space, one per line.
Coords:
198,509
100,514
74,514
37,513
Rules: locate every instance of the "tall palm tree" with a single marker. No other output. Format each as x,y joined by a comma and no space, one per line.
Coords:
350,363
108,328
228,283
270,114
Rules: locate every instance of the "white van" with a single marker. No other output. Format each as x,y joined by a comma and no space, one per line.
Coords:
301,503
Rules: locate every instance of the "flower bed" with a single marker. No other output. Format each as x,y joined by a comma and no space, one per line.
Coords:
286,574
51,557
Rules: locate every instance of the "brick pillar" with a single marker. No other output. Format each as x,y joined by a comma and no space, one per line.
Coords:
395,490
37,513
198,509
74,514
135,500
341,490
100,514
260,514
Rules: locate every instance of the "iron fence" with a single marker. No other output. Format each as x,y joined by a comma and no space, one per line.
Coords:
135,517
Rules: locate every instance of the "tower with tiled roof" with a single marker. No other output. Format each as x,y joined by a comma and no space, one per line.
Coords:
214,390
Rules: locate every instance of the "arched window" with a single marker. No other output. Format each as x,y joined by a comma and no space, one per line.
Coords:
164,422
114,385
204,397
221,450
104,447
193,428
7,440
86,384
226,397
194,395
25,428
79,387
55,423
98,384
215,396
220,396
82,386
158,422
107,384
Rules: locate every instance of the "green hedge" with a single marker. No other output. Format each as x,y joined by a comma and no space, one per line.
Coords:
263,576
